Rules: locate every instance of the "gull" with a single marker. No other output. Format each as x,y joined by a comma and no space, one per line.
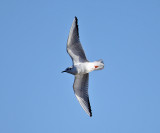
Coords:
81,67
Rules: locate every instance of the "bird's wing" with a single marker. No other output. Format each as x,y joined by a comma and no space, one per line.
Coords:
74,47
80,87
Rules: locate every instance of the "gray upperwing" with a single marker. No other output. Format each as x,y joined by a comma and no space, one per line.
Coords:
74,47
80,87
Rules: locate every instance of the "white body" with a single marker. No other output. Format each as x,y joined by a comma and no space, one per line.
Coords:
86,67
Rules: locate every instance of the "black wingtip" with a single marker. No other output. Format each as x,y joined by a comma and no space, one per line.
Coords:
90,115
90,111
76,20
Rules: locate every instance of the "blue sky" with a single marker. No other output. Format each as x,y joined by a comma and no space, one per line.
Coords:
36,98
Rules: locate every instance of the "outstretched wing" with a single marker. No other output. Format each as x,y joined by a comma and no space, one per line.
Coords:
74,47
80,87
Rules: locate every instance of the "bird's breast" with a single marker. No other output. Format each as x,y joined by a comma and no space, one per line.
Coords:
84,68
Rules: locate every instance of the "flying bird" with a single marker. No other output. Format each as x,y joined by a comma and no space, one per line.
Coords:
81,67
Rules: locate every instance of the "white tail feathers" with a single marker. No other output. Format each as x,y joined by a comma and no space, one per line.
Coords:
99,65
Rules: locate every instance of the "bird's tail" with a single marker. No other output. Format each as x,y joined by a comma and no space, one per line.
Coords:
99,65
